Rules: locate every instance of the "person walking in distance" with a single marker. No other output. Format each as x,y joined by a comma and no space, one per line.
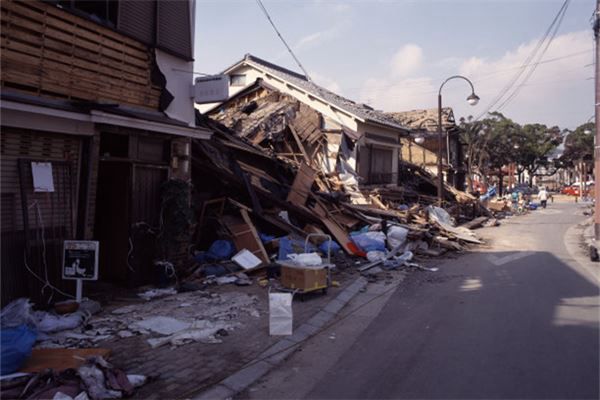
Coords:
543,196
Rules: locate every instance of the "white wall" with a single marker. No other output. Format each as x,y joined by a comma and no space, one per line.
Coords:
180,78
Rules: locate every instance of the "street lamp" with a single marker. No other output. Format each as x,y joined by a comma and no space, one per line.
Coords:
473,99
421,139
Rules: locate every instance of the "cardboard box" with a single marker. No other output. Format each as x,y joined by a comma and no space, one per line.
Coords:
303,278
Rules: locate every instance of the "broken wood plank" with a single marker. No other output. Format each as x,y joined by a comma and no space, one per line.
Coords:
302,184
300,145
476,223
60,359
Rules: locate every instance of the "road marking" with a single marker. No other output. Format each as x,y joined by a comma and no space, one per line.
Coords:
497,261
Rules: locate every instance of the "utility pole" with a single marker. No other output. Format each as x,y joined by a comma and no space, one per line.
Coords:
597,125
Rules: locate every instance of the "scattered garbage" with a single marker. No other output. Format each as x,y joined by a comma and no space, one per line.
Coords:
95,379
156,293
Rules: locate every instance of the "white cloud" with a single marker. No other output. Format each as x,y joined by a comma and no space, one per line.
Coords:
308,39
557,92
407,60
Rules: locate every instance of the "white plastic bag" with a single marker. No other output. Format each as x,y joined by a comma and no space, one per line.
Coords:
280,314
375,255
306,259
396,236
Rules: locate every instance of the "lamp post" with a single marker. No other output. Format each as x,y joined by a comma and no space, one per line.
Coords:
596,29
473,99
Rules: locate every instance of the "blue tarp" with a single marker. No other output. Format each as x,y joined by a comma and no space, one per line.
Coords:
16,347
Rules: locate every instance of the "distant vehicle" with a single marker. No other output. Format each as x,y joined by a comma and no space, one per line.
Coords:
574,189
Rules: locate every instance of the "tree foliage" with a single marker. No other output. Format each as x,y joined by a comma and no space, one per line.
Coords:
497,141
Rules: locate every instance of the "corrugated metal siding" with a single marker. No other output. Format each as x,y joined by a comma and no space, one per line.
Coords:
137,18
174,30
51,216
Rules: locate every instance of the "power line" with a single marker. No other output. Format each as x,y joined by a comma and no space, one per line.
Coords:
479,78
523,67
532,69
264,10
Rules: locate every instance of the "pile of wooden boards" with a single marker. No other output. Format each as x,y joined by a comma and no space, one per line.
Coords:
249,194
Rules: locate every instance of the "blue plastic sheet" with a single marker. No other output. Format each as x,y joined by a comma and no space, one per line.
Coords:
219,250
289,245
367,242
16,347
334,247
266,238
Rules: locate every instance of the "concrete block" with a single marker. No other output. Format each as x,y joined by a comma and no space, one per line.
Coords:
334,306
302,333
320,319
278,352
247,376
218,392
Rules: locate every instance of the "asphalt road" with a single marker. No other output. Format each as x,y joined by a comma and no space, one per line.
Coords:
517,318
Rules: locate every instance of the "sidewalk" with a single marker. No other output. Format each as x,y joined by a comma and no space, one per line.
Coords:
189,369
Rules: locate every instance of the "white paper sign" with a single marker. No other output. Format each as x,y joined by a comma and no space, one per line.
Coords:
42,177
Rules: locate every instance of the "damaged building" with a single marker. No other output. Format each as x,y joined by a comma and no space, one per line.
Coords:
424,126
96,116
328,126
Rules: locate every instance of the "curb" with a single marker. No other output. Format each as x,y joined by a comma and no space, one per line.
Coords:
277,353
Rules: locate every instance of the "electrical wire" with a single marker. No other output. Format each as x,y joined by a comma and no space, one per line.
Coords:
264,10
479,78
527,61
45,281
534,67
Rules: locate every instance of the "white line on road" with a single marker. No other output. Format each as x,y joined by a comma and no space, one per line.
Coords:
497,261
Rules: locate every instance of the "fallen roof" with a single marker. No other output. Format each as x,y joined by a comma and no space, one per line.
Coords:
426,118
361,111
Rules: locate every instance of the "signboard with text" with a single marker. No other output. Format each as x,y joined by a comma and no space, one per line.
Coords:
80,260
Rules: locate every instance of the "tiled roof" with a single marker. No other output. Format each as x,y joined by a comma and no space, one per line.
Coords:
361,111
425,119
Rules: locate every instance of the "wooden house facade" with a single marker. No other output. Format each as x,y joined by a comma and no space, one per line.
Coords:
94,93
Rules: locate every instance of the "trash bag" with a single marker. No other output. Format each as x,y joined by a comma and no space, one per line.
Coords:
334,247
375,255
49,323
280,314
370,241
437,214
396,236
289,245
16,313
16,347
220,250
306,259
266,238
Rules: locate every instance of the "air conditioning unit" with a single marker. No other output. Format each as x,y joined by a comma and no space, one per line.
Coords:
211,89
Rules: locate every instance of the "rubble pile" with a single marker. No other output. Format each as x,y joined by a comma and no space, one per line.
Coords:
271,183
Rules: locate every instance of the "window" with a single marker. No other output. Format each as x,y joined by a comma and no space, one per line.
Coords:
237,80
102,11
164,24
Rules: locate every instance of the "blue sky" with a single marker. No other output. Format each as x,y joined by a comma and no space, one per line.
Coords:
394,55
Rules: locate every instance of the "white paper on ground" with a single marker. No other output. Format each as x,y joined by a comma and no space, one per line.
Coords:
246,259
162,325
280,314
